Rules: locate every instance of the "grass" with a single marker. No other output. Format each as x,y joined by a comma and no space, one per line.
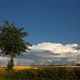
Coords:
41,73
39,67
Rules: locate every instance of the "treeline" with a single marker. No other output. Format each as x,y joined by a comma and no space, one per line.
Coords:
50,73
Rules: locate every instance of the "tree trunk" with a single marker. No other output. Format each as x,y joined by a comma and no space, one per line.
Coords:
10,63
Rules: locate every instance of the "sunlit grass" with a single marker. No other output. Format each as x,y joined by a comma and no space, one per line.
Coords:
2,68
21,67
40,73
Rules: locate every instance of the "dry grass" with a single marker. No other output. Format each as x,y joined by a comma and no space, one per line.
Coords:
2,69
21,67
37,67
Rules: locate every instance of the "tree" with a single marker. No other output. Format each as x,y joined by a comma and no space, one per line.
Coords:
12,42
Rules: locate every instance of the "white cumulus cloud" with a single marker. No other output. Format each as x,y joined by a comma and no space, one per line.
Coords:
47,53
62,54
56,47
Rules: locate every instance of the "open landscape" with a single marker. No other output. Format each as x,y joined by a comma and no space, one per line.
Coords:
52,51
41,73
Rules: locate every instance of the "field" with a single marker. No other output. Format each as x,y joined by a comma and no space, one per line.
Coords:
41,73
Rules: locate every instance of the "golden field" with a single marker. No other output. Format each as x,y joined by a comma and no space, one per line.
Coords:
38,67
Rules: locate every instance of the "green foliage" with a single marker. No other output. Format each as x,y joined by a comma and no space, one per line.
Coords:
77,72
12,41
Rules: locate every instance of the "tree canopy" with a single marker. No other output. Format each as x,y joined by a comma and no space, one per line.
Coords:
12,42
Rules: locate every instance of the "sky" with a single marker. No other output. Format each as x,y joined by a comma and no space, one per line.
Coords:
45,21
53,27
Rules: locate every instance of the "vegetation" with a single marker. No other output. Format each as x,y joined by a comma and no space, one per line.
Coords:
42,73
12,42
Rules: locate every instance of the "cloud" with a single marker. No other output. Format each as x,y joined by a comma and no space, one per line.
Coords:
56,47
58,53
47,53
